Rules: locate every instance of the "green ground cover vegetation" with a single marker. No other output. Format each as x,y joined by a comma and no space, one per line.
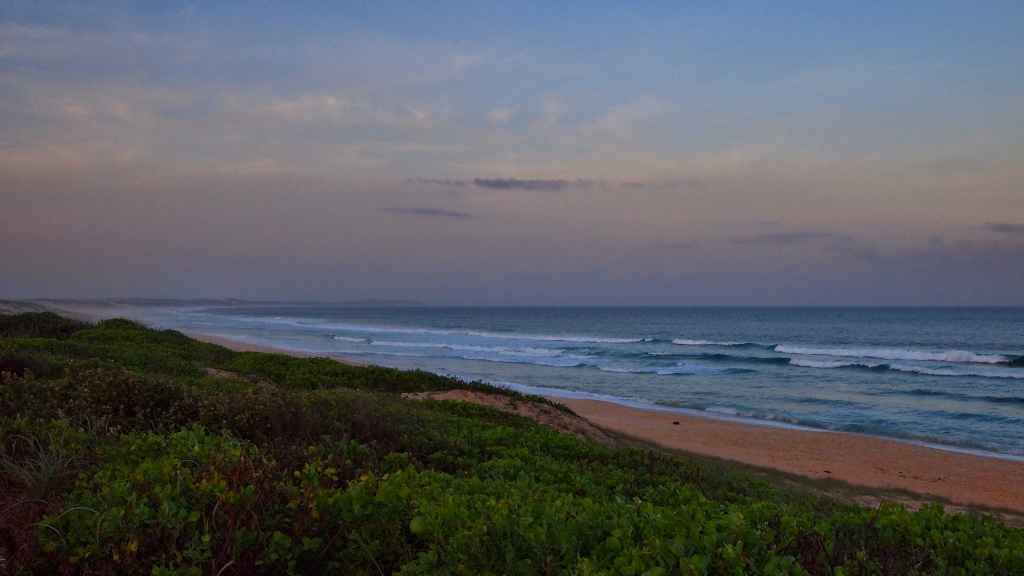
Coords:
128,450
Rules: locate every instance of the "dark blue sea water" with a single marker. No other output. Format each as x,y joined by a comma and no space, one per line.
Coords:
946,376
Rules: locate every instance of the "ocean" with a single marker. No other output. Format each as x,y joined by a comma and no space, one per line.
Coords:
946,377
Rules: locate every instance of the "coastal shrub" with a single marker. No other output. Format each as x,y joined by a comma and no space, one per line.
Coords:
147,358
65,350
37,465
133,401
221,384
295,373
124,330
325,373
126,399
117,459
19,362
187,502
892,540
137,347
38,325
134,346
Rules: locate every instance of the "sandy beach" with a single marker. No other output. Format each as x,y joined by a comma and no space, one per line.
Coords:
876,464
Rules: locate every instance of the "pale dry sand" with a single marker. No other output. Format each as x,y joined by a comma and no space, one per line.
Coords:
965,479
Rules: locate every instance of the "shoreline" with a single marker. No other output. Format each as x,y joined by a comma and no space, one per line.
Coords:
555,395
860,461
912,472
907,472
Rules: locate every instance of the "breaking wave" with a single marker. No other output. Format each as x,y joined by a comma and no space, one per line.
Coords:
958,356
679,369
685,342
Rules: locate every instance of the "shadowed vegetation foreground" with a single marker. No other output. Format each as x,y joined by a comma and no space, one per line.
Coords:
126,450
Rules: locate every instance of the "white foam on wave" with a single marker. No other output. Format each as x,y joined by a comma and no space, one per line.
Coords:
713,413
944,371
553,363
553,338
393,344
685,342
366,352
958,356
458,347
623,370
691,369
527,352
826,364
568,362
371,329
995,373
679,369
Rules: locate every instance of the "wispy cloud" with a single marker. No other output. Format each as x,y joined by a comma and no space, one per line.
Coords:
458,63
432,212
848,246
535,185
678,245
691,184
341,110
435,182
318,108
501,115
554,185
516,184
1005,227
937,248
782,238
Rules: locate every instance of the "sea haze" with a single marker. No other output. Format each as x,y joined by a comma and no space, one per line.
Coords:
947,376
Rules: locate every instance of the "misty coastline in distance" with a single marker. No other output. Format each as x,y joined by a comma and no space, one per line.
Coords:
14,306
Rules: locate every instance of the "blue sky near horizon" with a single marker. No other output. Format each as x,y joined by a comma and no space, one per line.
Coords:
514,153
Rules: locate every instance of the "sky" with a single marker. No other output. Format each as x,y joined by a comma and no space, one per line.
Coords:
514,153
